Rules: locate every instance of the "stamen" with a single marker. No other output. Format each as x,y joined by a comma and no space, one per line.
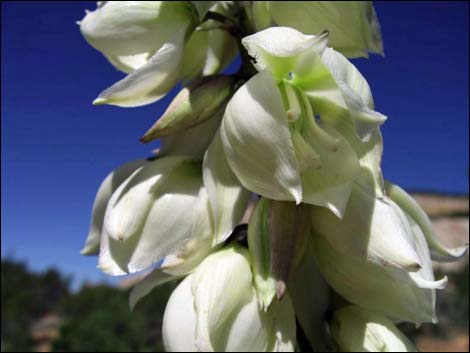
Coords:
306,155
332,143
293,112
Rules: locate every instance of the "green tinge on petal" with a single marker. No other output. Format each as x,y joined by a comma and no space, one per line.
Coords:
228,198
151,81
358,330
371,229
105,191
438,251
330,183
339,92
353,25
192,142
259,246
192,106
257,141
370,286
280,49
310,295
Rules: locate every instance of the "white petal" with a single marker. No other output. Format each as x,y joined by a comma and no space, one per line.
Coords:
371,229
145,286
106,189
280,48
257,140
330,184
228,198
122,30
353,25
151,81
221,287
339,92
145,217
129,206
358,330
129,63
438,251
179,320
371,286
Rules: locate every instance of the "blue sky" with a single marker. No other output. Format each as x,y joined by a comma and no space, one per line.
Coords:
57,147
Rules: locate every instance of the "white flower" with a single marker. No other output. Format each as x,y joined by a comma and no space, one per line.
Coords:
145,39
162,212
358,330
353,25
400,294
106,189
274,143
215,310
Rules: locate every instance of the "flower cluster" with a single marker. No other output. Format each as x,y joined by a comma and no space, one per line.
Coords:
291,145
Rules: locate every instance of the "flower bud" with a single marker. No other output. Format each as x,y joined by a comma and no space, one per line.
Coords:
215,309
358,330
353,25
277,234
192,106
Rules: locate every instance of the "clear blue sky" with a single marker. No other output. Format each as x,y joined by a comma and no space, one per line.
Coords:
57,147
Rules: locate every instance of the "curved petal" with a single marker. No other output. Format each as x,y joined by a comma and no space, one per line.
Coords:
129,206
330,184
338,91
125,31
147,284
151,81
225,272
371,229
438,251
179,320
228,198
257,141
105,191
353,25
358,330
142,212
280,49
372,287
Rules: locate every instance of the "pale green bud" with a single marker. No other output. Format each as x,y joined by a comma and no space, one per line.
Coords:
358,330
277,234
192,106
